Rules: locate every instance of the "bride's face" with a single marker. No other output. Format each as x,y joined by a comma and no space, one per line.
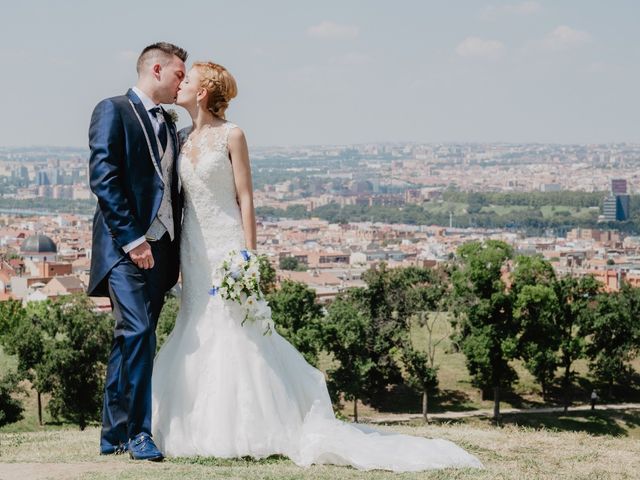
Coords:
188,90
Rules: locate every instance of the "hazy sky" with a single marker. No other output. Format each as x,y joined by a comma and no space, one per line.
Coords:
333,72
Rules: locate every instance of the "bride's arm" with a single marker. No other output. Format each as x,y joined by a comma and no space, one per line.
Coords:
242,174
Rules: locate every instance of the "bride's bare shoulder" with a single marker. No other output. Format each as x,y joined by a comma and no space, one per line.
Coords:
236,134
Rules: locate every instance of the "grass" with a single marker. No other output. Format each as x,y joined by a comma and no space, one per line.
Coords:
620,423
503,209
510,452
548,211
457,208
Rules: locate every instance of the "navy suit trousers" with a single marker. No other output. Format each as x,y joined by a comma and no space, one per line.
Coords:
137,297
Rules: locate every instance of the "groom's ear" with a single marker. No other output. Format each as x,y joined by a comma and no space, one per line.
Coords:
156,70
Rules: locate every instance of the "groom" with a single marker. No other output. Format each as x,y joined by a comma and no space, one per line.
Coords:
136,232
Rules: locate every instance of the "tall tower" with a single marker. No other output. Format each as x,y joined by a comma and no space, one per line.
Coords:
616,206
619,186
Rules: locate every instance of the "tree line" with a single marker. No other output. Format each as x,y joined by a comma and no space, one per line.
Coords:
478,212
502,308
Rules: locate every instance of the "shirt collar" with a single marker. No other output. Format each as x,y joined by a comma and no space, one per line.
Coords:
146,101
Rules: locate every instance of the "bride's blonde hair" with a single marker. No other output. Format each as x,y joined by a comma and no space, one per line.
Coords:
220,85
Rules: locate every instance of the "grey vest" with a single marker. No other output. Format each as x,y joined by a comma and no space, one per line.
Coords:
164,219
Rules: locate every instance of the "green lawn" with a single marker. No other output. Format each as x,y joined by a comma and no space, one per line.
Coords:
503,209
548,211
446,207
509,452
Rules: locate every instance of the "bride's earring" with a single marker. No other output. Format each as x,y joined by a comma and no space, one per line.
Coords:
197,103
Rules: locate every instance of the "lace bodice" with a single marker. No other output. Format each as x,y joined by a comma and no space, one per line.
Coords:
212,221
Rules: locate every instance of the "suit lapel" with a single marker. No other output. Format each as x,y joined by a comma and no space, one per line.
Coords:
143,116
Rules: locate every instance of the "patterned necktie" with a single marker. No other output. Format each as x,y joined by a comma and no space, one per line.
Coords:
162,131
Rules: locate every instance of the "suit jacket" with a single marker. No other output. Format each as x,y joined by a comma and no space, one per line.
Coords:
125,175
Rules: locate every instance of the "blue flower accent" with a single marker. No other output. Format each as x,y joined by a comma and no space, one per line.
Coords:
245,254
213,291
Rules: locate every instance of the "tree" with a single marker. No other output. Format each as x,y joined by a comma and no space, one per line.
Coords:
347,332
267,275
24,338
289,263
575,299
367,331
422,375
426,296
297,316
486,330
11,315
615,335
75,356
537,309
384,301
10,408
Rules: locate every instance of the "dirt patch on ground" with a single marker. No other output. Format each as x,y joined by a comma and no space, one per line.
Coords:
56,471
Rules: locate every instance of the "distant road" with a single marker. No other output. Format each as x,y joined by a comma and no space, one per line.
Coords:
29,212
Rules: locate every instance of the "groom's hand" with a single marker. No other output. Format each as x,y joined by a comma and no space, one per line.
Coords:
142,256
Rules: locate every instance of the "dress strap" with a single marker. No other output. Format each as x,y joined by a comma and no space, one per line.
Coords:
227,129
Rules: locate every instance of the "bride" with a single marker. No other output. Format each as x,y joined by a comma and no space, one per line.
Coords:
224,389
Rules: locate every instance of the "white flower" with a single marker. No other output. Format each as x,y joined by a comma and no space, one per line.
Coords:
236,271
237,260
251,301
253,270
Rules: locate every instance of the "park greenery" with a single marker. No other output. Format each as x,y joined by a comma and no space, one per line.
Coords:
509,316
61,348
532,212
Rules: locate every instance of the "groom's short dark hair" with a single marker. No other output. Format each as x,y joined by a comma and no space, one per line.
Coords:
161,48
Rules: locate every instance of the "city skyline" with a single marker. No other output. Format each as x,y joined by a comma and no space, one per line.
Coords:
523,71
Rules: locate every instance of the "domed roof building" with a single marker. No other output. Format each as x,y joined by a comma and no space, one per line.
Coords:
39,247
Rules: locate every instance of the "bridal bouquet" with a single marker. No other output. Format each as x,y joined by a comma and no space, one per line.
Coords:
239,282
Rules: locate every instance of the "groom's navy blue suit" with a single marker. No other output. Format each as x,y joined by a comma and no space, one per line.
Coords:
125,175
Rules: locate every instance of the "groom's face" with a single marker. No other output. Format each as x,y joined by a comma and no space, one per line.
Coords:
170,78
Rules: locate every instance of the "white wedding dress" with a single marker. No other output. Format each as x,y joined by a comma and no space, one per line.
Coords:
226,390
